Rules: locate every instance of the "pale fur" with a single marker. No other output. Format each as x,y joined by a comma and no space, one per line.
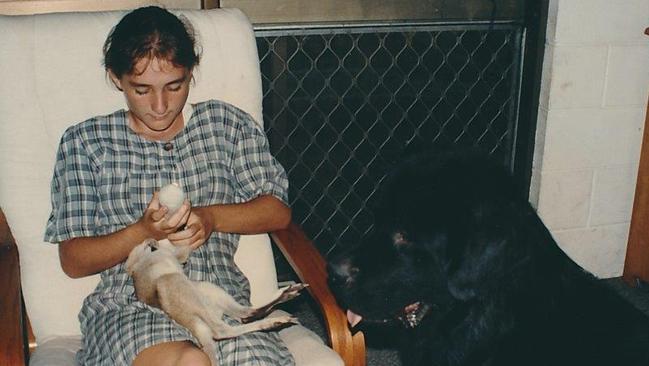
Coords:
198,306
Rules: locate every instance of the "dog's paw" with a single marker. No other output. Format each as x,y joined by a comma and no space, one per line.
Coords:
278,322
290,292
260,315
283,294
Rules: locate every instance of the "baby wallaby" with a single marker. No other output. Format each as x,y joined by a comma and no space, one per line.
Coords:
156,268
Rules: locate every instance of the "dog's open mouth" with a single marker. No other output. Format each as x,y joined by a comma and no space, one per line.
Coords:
410,316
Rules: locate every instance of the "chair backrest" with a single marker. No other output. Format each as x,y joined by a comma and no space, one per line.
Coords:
52,77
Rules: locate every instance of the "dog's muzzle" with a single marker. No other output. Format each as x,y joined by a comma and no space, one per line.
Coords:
410,317
413,314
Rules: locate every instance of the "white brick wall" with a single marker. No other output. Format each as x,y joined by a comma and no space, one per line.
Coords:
593,99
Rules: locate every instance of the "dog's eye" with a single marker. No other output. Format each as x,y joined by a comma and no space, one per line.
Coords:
399,239
153,249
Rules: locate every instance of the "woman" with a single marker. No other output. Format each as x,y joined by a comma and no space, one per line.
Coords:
105,200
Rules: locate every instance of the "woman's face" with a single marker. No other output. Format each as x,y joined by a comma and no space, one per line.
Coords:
156,93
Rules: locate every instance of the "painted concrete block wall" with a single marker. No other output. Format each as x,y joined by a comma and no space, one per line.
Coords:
594,94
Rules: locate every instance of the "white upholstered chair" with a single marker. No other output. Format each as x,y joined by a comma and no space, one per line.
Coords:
51,77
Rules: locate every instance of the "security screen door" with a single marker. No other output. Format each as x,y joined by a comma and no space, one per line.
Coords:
348,91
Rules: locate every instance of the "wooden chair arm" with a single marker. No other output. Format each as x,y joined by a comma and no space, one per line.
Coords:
310,266
13,348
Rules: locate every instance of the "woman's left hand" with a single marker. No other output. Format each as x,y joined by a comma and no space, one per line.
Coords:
198,229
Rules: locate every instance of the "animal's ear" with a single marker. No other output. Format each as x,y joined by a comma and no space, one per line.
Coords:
166,245
182,253
477,270
479,256
135,254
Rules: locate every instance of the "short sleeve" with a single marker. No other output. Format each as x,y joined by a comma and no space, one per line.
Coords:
257,172
73,192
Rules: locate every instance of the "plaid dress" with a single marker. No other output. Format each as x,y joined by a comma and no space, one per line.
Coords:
104,177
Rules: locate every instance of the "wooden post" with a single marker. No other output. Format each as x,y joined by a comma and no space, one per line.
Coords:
636,265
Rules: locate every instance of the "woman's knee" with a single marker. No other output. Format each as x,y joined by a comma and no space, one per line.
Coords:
172,354
192,356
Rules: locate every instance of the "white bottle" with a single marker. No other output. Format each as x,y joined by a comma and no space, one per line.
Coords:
172,196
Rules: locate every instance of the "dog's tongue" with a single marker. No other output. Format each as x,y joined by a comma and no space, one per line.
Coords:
353,319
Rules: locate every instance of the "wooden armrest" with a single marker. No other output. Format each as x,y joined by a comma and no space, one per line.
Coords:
13,348
310,266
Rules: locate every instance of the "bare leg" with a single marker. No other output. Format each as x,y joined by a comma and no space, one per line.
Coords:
172,354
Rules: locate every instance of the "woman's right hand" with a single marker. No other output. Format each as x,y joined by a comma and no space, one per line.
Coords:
83,256
158,223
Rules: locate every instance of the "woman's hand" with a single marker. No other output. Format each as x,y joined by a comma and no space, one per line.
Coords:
197,230
158,224
259,215
83,256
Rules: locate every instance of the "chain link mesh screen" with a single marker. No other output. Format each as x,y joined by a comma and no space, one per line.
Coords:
342,104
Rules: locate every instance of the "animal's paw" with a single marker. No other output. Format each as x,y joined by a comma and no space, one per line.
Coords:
283,294
276,322
290,292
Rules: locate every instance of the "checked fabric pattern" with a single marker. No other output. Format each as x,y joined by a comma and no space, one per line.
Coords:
105,176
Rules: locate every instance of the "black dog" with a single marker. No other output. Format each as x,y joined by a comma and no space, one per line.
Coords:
469,269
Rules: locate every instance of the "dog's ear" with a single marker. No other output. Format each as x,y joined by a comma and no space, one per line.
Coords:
182,253
477,270
133,257
479,256
166,245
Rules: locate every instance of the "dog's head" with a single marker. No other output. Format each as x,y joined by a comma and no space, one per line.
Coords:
139,254
151,250
441,228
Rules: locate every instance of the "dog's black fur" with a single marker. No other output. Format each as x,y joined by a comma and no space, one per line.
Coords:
452,232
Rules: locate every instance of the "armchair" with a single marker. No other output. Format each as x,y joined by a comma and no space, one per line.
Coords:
52,78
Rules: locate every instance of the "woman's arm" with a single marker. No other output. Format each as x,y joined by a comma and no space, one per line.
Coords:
84,256
260,215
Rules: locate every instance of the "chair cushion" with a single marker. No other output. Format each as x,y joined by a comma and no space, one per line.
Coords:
57,351
305,346
52,78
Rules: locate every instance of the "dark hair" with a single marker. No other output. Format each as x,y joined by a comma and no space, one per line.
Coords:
150,32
